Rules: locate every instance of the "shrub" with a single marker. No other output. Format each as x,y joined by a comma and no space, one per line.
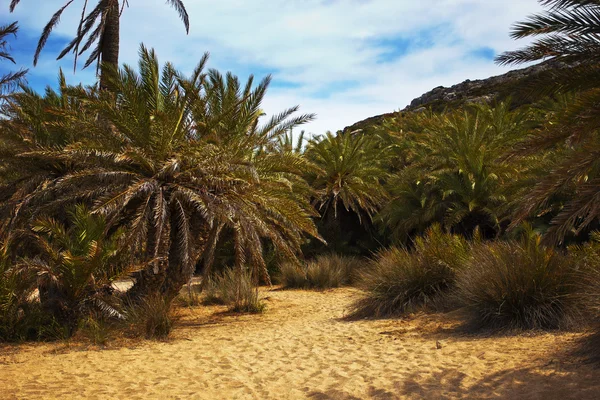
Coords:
28,321
190,296
292,275
324,272
21,316
96,329
400,280
71,265
519,285
587,259
235,289
151,317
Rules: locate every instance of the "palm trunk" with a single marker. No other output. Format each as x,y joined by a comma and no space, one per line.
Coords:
208,256
180,267
180,273
150,280
110,41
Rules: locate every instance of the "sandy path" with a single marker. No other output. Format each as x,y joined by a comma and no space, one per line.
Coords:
300,349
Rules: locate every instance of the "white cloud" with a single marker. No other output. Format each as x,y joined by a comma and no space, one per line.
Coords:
315,43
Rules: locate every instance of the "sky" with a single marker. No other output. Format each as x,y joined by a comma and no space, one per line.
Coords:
344,60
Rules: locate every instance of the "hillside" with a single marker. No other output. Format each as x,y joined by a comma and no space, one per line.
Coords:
514,84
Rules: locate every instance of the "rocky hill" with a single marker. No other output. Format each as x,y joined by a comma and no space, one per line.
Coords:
513,84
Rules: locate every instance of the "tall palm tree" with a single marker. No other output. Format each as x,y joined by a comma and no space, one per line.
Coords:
568,31
180,160
9,80
98,30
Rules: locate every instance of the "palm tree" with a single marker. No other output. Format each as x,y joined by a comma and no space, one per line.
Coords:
352,170
286,143
348,181
9,81
181,159
455,174
34,123
75,266
570,32
98,30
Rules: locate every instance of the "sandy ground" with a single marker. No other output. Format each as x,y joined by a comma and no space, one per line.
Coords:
298,349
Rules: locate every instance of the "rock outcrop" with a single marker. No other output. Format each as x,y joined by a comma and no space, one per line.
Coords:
513,84
484,90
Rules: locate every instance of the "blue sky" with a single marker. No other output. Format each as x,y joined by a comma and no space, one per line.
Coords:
344,60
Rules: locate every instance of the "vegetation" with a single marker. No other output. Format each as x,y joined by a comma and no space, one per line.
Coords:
75,266
402,280
151,318
174,162
153,176
455,173
20,318
97,31
521,285
171,187
324,272
10,80
568,33
348,188
235,289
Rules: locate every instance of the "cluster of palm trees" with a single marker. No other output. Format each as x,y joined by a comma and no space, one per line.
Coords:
159,169
173,159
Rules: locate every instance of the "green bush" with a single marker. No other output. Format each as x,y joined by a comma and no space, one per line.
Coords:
236,289
400,280
69,267
519,285
324,272
587,260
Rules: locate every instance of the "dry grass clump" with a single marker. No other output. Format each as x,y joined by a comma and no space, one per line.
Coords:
519,285
588,263
400,280
236,289
97,330
151,317
324,272
190,296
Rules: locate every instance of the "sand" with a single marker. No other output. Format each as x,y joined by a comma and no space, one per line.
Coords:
298,349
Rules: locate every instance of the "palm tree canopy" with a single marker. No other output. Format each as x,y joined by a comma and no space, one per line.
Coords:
569,31
454,172
180,157
9,81
92,28
352,171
